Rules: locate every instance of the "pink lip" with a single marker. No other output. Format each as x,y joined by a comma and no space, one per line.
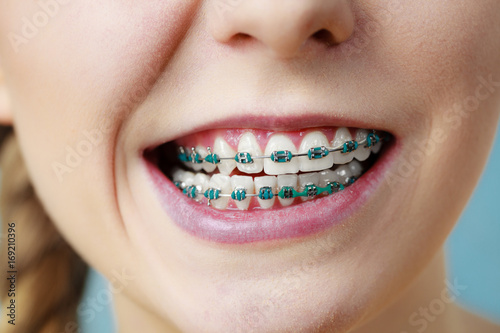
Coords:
239,227
286,122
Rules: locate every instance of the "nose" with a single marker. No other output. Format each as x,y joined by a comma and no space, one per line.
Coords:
283,26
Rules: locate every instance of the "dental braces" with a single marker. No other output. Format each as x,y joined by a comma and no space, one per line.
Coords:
281,156
265,193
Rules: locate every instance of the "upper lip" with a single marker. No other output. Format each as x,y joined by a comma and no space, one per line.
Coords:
288,122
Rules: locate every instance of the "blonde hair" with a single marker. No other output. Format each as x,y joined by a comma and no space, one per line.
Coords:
50,275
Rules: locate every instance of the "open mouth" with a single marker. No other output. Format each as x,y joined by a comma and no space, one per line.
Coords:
243,169
247,185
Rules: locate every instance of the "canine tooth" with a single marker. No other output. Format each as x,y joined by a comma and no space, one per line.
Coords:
223,149
344,173
312,140
245,182
328,176
341,136
279,142
223,183
362,153
208,167
307,179
248,144
356,168
266,181
286,180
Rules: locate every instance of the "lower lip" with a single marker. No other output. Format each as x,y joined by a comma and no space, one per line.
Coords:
240,227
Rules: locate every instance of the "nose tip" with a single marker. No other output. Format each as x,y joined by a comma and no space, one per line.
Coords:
285,26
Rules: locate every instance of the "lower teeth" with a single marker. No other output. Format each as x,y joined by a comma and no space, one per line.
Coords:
219,189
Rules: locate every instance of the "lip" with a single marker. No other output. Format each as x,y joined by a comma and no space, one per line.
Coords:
301,220
260,120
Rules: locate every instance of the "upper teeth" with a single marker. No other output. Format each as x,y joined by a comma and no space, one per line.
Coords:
314,139
280,144
281,156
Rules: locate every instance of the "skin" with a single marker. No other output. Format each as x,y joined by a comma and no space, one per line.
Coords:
143,72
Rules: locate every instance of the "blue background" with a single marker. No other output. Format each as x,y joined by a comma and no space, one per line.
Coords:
474,245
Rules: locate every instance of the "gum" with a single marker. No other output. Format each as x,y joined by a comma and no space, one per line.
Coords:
232,136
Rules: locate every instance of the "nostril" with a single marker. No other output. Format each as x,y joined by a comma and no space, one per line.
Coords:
324,36
240,39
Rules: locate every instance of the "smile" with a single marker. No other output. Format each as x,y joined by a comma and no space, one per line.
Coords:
242,180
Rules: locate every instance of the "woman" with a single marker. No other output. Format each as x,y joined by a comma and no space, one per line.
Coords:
345,139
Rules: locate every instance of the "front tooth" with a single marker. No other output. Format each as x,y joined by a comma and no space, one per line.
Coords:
363,152
245,182
248,144
223,149
286,180
312,140
328,176
208,167
307,179
344,173
341,136
222,183
279,142
356,168
266,181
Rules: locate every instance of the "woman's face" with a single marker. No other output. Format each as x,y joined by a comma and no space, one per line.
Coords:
93,87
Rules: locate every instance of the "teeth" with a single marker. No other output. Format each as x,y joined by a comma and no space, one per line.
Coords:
307,179
344,173
356,168
185,177
376,147
177,175
201,180
223,149
207,167
196,166
279,161
266,181
248,144
279,142
245,182
311,140
286,180
362,153
328,176
223,183
341,136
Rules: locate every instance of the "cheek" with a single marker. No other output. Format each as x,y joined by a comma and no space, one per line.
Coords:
441,48
93,65
449,57
83,73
